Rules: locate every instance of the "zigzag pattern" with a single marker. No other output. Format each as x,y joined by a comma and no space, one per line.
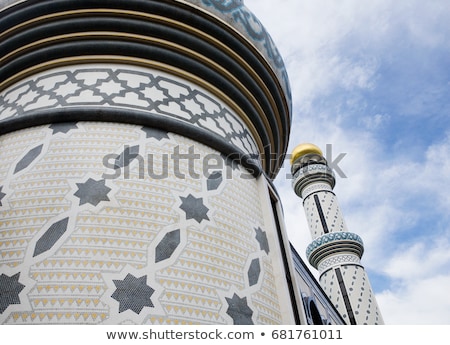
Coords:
70,278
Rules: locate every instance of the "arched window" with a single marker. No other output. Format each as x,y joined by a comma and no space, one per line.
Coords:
313,316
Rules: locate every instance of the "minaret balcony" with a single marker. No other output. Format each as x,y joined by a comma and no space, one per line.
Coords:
312,173
334,243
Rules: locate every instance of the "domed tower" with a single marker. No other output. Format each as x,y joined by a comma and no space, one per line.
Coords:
138,142
335,252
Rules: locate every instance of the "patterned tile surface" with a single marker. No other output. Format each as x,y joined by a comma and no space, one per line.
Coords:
80,247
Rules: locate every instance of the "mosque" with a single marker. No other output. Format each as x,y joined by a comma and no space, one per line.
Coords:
139,141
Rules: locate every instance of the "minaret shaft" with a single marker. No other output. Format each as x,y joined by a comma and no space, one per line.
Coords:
335,252
322,211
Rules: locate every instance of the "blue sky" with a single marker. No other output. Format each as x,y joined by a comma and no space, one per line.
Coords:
372,78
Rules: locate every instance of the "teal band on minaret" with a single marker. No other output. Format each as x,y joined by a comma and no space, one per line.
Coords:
334,252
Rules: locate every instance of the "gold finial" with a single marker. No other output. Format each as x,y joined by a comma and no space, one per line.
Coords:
303,149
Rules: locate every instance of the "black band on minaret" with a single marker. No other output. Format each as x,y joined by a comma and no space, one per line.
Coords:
344,293
321,215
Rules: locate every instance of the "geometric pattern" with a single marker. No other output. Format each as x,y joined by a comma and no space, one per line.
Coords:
335,252
92,192
92,250
133,293
167,246
331,212
239,310
338,260
315,188
357,286
9,291
120,87
194,208
155,133
28,158
140,250
51,236
254,272
333,237
62,127
261,237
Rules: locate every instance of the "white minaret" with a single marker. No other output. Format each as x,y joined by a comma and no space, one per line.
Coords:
334,251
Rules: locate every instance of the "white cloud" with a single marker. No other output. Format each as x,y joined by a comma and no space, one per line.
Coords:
421,259
422,301
396,200
374,122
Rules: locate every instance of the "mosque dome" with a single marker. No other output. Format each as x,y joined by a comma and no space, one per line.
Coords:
240,18
304,149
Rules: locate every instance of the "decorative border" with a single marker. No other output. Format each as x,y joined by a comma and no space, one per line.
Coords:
333,237
161,100
338,260
312,173
334,243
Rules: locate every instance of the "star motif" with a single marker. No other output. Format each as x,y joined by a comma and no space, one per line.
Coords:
155,133
194,208
239,310
133,293
63,127
9,291
2,195
261,237
92,192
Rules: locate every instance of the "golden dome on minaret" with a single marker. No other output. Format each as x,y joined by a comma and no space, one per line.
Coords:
303,149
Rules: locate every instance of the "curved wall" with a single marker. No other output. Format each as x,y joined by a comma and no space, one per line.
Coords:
107,222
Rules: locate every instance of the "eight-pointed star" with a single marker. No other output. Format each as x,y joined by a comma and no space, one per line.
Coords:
9,291
239,310
194,208
92,192
133,293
